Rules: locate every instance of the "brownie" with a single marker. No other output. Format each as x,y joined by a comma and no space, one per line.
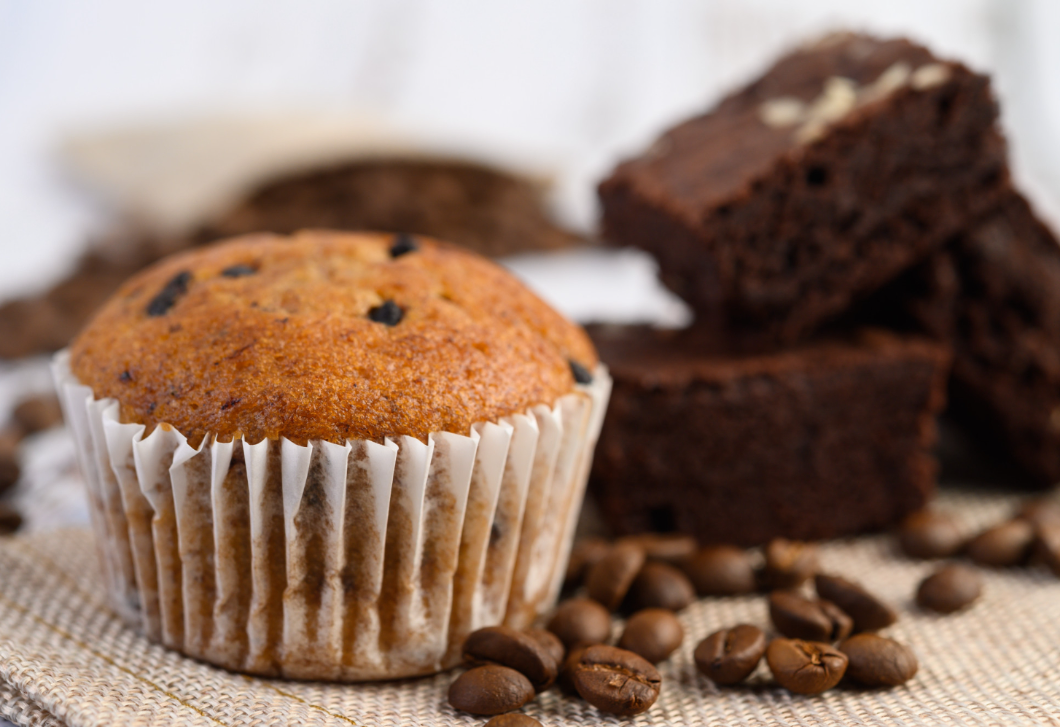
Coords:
993,295
847,162
823,439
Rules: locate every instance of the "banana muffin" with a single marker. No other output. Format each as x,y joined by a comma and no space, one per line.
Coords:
331,455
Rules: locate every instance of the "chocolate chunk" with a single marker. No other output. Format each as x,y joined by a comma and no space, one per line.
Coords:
404,243
167,297
238,271
581,374
389,313
125,376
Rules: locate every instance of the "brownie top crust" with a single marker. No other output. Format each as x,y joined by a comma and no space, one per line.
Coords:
701,162
327,336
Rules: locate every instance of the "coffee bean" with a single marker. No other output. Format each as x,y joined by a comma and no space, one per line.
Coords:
1047,547
403,244
789,563
616,681
580,373
581,620
672,548
167,297
877,661
490,689
38,413
721,570
550,643
930,534
241,270
729,656
654,633
609,578
515,649
811,620
565,680
513,719
389,313
868,612
582,556
949,589
805,667
10,520
1041,512
9,468
1003,545
659,585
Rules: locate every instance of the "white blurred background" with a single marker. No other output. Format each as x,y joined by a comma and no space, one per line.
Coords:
572,82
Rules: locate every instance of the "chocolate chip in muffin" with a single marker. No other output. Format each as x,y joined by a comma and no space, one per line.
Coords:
403,243
581,374
389,313
167,297
238,271
125,376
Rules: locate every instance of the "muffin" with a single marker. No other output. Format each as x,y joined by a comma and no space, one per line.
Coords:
331,455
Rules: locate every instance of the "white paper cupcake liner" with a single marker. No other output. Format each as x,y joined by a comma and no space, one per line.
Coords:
340,562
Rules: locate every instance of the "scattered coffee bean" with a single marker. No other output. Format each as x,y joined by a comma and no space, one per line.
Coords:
1047,547
565,680
9,469
10,520
930,534
514,649
672,548
659,585
789,563
581,620
403,244
513,719
811,620
609,578
654,633
582,556
721,570
241,270
876,661
868,612
805,667
729,656
949,589
1003,545
389,313
490,689
550,643
167,297
580,373
38,413
616,681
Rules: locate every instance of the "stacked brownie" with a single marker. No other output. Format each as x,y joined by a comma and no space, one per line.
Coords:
858,181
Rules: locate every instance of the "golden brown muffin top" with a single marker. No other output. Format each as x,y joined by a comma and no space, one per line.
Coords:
327,335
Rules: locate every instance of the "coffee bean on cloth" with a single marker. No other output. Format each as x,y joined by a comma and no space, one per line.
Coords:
1003,545
610,577
654,633
729,656
810,619
659,585
805,667
617,681
581,620
930,534
490,689
868,611
514,649
513,719
877,661
949,589
789,563
721,570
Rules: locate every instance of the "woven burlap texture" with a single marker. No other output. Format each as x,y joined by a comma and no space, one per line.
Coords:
66,659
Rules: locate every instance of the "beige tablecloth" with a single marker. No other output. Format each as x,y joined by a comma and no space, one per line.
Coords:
66,659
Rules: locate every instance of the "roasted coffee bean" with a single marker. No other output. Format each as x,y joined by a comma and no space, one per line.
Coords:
1003,545
581,620
513,719
515,649
610,577
38,413
9,469
490,689
811,620
949,589
565,680
868,612
550,643
403,244
582,556
1047,547
805,667
672,548
930,534
167,297
654,633
877,661
10,520
721,570
1041,512
389,313
241,270
617,681
580,373
729,656
659,585
789,563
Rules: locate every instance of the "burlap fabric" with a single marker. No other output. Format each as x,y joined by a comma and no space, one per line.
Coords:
66,659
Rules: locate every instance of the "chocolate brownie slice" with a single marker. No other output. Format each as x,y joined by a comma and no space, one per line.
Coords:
825,439
844,164
993,295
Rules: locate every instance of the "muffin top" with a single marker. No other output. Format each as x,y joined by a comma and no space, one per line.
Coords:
327,336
